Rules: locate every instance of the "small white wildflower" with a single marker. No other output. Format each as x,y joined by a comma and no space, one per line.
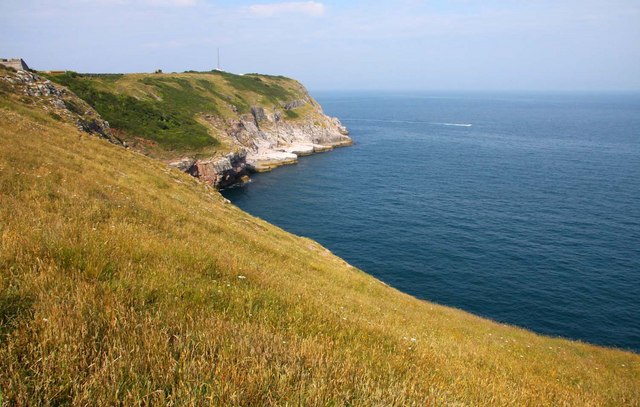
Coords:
241,277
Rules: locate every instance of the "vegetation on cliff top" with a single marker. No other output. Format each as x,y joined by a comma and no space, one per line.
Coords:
165,108
124,281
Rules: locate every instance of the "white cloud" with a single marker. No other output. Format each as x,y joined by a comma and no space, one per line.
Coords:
308,8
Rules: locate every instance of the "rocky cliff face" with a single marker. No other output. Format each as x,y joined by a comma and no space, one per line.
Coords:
269,137
221,172
56,100
272,141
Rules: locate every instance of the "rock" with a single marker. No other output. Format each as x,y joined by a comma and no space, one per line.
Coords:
221,172
342,129
269,160
300,149
258,114
318,148
98,127
58,103
184,164
295,104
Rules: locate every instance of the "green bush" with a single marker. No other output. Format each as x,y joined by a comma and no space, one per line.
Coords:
291,114
270,92
170,121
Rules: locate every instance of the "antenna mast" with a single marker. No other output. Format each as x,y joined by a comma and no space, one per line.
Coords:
218,58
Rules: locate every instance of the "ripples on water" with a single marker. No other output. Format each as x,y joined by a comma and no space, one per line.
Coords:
521,208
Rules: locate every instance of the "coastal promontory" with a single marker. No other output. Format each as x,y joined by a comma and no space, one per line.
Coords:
215,125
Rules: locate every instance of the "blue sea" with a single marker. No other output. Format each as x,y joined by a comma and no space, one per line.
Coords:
523,208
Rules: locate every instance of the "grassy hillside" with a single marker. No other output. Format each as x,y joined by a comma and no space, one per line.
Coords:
163,113
124,281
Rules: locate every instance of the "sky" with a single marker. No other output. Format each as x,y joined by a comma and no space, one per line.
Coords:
542,45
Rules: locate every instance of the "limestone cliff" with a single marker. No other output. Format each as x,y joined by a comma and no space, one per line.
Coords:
263,141
268,141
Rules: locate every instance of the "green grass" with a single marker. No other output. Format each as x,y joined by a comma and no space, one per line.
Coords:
124,282
266,85
271,92
291,114
241,105
169,121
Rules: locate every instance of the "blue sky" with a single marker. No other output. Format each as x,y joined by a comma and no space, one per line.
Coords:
392,45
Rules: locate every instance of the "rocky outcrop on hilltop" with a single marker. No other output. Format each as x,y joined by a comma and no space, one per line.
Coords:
59,102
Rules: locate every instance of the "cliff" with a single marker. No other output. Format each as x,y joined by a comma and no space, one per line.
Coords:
214,125
125,282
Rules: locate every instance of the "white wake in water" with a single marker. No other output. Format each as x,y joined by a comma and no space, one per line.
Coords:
454,124
408,122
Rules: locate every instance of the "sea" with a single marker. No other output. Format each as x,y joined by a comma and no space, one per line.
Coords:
519,207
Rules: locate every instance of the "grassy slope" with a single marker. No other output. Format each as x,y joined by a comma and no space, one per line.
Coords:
165,108
123,280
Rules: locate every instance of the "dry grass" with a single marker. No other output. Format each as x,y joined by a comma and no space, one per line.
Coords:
122,281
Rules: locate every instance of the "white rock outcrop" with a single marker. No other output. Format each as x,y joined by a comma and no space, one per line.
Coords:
271,141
